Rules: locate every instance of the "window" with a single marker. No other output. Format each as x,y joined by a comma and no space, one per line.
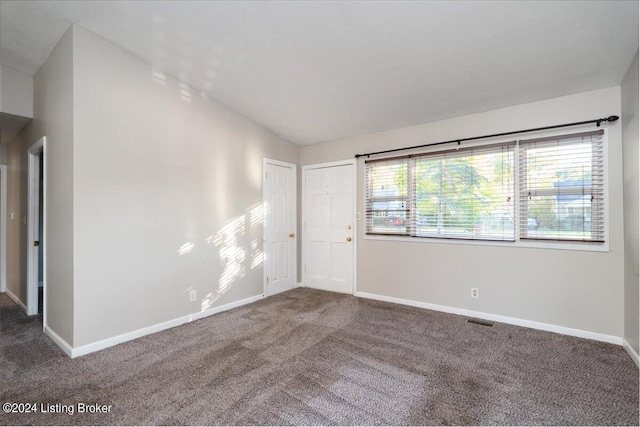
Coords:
465,194
562,188
472,193
387,190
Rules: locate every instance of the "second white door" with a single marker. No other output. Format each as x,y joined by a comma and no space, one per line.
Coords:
329,228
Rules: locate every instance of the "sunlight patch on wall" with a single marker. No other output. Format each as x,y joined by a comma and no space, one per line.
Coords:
256,214
209,300
257,256
256,218
158,77
232,255
236,252
186,248
185,92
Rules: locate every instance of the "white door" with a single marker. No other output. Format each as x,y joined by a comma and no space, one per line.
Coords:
279,226
329,227
35,153
3,228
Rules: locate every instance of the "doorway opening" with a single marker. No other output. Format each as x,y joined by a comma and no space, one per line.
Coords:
36,284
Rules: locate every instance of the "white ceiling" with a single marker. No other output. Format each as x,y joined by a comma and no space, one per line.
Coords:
318,71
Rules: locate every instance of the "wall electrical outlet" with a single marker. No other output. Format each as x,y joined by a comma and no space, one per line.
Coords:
192,296
475,293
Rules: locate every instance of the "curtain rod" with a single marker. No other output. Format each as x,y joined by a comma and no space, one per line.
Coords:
564,125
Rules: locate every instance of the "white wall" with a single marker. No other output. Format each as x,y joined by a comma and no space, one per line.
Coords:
16,92
148,187
631,189
53,118
574,289
16,104
165,185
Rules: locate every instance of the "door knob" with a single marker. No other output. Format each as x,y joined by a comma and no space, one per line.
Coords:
291,235
348,239
349,227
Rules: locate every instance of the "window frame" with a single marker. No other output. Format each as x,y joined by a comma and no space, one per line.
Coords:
519,242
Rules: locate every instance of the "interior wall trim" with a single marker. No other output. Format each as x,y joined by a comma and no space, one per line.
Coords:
129,336
611,339
631,352
60,342
15,299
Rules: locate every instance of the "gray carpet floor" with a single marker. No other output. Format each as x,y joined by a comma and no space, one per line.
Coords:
308,357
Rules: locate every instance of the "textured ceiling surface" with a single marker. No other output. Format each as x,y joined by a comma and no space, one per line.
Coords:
318,71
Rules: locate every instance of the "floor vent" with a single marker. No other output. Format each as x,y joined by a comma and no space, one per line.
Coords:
480,322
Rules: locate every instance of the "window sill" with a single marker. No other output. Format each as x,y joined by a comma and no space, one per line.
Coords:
588,247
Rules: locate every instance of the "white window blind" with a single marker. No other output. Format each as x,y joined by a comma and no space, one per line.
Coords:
471,193
387,196
562,188
465,194
462,194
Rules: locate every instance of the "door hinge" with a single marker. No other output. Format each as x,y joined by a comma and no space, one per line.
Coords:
267,280
266,175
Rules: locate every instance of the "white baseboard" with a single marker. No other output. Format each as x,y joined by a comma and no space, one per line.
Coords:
16,300
59,341
497,318
299,285
631,352
110,342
